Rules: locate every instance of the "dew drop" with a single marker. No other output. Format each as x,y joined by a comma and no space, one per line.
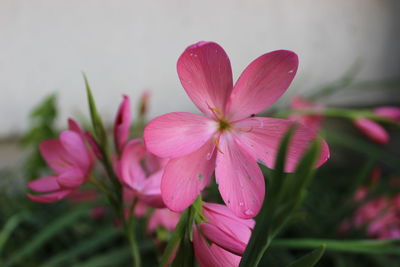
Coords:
200,176
249,212
290,71
229,202
253,201
208,156
261,161
241,204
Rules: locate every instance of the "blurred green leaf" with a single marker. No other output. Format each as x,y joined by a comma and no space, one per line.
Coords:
349,246
11,224
310,259
105,235
97,123
116,257
47,233
283,198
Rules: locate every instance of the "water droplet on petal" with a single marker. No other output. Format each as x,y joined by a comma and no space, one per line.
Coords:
208,155
229,202
261,161
249,212
290,71
241,204
200,176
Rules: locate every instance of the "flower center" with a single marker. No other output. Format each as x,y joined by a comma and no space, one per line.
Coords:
223,125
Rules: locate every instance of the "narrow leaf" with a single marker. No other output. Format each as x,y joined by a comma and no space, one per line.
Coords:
310,259
48,232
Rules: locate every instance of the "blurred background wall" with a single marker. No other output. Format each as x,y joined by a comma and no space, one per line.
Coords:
129,46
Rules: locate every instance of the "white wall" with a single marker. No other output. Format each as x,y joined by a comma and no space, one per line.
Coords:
127,46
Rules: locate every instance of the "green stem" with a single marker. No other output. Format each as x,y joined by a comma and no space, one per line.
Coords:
339,113
130,232
351,246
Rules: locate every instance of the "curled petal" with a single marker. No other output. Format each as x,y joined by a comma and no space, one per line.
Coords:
212,255
222,239
240,180
74,145
55,155
72,178
177,134
44,184
51,197
151,192
185,177
262,137
262,83
205,72
131,172
122,124
372,130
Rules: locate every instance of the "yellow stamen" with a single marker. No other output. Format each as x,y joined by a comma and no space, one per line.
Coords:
217,145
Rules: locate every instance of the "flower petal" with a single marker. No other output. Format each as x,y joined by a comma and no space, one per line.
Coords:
44,184
185,177
131,172
205,72
222,217
48,198
72,178
122,124
223,239
372,130
177,134
210,211
212,256
151,192
262,83
261,137
240,180
74,144
55,155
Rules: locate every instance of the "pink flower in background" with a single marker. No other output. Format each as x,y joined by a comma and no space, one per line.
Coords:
222,240
311,121
141,172
372,130
228,139
391,113
163,218
122,124
70,159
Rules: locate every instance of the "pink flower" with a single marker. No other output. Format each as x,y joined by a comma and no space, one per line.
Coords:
141,172
391,113
228,139
163,218
223,238
311,121
372,130
122,124
71,161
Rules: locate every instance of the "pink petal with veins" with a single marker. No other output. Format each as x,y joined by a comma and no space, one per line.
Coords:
205,72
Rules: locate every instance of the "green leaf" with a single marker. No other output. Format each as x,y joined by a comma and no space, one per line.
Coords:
47,233
176,238
262,235
310,259
349,246
11,224
104,236
285,196
98,126
114,258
